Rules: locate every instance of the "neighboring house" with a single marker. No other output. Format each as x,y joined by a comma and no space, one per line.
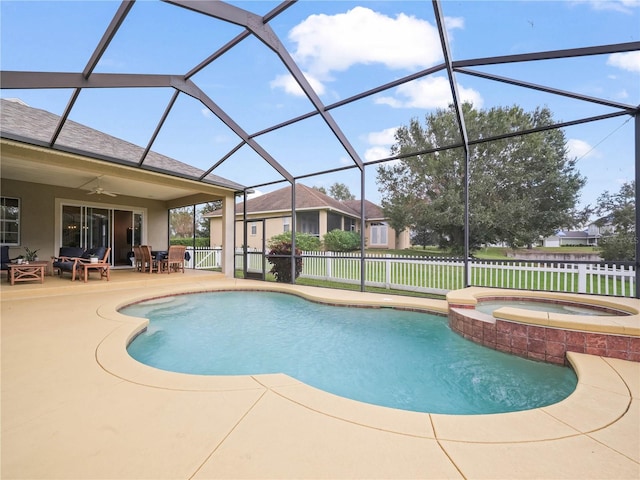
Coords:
586,237
316,214
569,237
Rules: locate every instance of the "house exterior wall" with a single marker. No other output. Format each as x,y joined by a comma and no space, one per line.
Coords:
275,226
574,241
38,227
403,241
552,241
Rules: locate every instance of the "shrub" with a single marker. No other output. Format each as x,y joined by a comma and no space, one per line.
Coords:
304,241
281,265
341,241
188,242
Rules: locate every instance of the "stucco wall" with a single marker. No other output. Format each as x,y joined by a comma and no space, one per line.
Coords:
38,213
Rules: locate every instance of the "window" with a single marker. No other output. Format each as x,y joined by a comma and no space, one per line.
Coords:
286,224
254,229
334,221
378,234
10,221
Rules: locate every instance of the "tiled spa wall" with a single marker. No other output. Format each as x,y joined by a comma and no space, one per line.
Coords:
538,342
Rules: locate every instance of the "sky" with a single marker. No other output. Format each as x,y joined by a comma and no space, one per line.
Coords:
343,48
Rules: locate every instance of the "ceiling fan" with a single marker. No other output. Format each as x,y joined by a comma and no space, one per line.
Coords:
98,190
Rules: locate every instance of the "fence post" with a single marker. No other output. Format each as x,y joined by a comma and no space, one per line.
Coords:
387,266
582,278
329,262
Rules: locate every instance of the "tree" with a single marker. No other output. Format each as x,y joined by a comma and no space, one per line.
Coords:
520,188
181,222
340,191
202,222
421,233
618,218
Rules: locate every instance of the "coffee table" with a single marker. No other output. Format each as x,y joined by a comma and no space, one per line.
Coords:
102,267
26,272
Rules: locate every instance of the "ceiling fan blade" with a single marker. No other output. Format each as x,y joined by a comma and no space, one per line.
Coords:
109,194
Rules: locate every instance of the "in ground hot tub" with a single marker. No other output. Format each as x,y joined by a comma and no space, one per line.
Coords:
546,325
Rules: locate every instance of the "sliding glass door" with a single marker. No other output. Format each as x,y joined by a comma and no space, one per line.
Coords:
90,226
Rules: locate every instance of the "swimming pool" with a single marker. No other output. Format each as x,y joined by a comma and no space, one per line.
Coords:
388,357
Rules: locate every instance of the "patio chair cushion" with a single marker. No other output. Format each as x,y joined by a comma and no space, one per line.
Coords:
5,260
71,252
65,261
97,251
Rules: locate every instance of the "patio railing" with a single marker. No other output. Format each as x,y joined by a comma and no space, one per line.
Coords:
204,258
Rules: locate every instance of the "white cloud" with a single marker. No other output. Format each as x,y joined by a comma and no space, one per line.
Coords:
431,92
622,94
376,153
627,61
580,149
328,43
453,22
381,144
384,137
623,6
290,86
255,193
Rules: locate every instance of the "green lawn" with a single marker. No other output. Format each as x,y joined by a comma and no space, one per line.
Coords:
486,253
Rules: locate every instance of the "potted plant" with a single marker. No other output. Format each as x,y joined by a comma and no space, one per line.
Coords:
30,255
93,258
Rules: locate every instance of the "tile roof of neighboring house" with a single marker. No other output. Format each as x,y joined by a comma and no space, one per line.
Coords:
307,198
23,123
371,210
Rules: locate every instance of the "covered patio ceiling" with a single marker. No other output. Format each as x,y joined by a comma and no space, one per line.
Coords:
187,79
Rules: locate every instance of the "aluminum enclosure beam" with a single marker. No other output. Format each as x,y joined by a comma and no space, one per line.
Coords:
442,29
550,55
257,26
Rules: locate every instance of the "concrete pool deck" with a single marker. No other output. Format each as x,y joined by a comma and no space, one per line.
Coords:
75,405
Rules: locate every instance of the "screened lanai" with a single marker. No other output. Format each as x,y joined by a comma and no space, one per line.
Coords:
249,97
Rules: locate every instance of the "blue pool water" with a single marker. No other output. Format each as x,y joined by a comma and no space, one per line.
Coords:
388,357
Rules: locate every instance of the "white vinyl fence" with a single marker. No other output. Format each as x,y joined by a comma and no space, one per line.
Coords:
440,275
437,275
203,258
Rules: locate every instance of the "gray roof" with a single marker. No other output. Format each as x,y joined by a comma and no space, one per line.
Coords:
573,234
307,198
34,126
